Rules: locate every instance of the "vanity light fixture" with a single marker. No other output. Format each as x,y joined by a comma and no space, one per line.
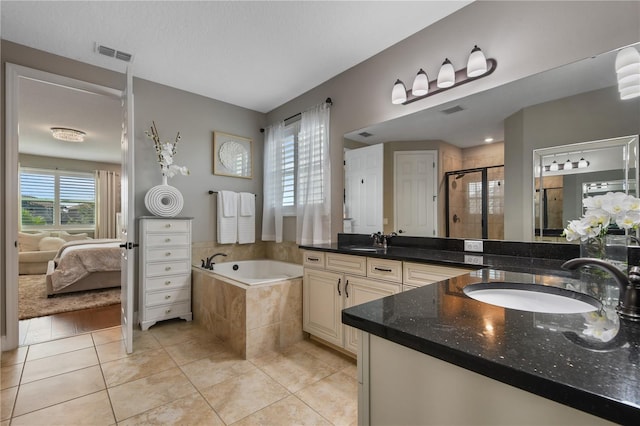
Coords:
420,84
446,75
567,165
399,93
477,63
67,135
477,67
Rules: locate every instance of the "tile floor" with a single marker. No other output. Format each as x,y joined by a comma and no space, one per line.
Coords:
178,374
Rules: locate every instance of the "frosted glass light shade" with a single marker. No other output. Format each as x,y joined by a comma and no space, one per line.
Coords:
447,75
554,166
568,165
477,63
399,93
630,92
627,58
630,73
629,82
420,84
583,163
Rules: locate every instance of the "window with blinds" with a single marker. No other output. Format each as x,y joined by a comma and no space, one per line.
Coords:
311,172
288,166
57,199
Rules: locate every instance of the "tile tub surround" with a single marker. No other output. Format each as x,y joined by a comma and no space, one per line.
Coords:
530,351
251,320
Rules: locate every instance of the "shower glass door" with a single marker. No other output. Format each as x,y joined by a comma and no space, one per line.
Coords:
475,203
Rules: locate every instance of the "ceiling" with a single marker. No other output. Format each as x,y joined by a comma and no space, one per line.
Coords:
255,54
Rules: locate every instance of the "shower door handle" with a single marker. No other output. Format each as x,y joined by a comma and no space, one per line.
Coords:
456,218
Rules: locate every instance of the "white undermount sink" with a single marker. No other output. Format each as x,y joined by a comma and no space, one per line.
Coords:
532,297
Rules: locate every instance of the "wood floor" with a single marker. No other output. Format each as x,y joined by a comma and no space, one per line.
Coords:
43,329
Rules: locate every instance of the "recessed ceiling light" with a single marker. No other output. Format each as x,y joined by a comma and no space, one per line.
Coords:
68,135
487,140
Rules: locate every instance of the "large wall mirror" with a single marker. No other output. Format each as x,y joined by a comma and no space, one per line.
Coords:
565,175
568,105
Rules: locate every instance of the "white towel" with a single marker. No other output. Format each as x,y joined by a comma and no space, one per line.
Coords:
227,226
229,203
246,218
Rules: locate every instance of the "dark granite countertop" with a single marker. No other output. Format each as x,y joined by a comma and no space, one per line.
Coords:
586,361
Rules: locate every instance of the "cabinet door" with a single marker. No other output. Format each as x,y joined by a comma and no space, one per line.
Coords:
361,290
322,304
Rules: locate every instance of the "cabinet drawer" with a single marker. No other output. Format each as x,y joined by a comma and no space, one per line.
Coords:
166,268
167,240
167,311
419,274
384,269
346,263
168,253
314,259
164,225
168,282
168,297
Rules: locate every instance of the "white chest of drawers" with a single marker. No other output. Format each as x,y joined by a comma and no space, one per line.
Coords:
165,270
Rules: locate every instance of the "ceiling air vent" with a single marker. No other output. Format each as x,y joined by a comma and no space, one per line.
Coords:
452,110
365,134
113,53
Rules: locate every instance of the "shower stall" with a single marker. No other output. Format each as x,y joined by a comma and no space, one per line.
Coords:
474,205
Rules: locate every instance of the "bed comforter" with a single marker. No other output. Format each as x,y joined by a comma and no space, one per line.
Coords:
77,259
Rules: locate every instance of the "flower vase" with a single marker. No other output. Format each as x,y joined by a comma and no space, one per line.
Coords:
612,248
164,200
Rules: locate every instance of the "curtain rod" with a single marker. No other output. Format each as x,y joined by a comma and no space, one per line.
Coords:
215,192
328,101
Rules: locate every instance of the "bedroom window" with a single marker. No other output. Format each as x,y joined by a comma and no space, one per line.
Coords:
57,199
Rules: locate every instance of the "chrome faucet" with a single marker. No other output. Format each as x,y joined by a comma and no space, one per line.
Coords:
208,264
380,239
629,299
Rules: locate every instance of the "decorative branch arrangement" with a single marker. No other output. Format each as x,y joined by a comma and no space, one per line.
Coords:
166,151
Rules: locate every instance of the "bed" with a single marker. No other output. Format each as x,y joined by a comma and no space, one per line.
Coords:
84,265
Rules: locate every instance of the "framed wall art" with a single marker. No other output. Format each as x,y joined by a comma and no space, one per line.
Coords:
232,155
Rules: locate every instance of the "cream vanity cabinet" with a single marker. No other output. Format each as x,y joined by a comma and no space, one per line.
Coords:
334,281
418,274
165,270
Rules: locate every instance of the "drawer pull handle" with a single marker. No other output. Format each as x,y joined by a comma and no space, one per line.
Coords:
339,292
168,253
167,282
382,269
346,288
167,240
167,297
167,268
313,259
168,311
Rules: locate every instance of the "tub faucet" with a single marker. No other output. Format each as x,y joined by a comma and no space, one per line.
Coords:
208,264
629,300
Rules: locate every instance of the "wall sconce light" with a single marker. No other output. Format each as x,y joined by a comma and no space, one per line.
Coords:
67,135
477,67
627,66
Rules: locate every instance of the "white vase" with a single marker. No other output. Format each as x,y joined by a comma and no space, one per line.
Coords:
164,200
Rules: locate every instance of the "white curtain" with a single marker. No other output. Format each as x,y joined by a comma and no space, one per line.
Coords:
107,203
272,203
314,178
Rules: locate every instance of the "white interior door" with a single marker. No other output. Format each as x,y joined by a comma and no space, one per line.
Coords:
415,188
127,219
363,188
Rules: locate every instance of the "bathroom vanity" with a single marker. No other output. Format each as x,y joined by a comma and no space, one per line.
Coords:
433,355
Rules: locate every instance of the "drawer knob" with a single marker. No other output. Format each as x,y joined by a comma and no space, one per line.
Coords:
167,282
167,297
167,240
168,311
167,268
168,253
168,225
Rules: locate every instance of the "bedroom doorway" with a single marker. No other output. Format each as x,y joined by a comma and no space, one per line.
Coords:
62,186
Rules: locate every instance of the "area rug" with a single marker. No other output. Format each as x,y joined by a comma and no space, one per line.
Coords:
33,301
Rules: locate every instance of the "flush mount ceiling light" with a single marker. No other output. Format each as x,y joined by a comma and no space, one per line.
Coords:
420,84
68,135
399,93
477,67
488,140
627,66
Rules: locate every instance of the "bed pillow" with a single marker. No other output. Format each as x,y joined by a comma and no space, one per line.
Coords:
30,242
50,243
74,237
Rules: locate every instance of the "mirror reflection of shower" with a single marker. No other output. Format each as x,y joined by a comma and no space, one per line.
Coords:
475,203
